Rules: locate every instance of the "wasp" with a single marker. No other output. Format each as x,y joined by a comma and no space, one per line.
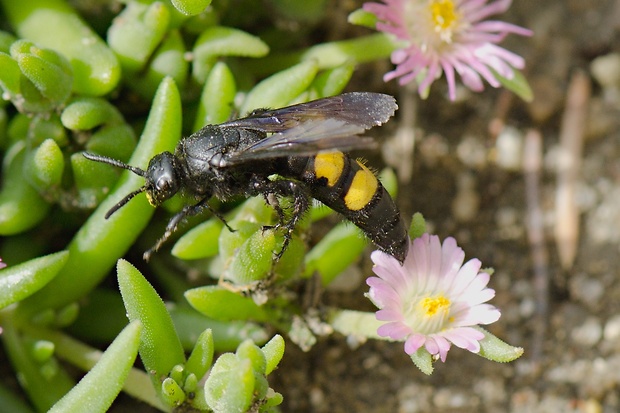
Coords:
295,151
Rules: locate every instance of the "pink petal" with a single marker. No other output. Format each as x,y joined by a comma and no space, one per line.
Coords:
490,10
414,342
395,331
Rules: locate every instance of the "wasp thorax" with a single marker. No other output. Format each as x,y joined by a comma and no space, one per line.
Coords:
161,179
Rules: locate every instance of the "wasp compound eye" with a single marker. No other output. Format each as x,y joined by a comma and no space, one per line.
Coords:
161,178
164,183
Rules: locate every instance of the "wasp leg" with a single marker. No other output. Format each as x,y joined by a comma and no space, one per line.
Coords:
284,187
174,222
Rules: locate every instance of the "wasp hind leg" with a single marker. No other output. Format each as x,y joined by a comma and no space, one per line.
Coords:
270,190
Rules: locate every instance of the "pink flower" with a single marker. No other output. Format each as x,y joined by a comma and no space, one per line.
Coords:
2,265
433,299
444,36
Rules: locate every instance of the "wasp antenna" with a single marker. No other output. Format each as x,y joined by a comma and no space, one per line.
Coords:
123,201
114,162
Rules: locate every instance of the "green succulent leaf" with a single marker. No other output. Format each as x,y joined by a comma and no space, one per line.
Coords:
494,349
95,67
361,17
331,82
44,166
47,382
201,241
230,385
423,360
280,89
217,99
160,348
172,393
250,351
191,7
199,361
98,389
100,242
274,351
84,113
137,31
10,75
218,41
221,304
518,84
335,252
53,79
169,60
21,206
418,226
22,280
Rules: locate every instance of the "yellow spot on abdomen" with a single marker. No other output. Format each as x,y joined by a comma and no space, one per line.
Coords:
329,165
362,189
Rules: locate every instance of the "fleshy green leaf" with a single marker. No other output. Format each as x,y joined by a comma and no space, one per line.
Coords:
10,75
230,385
172,393
191,7
517,84
362,17
250,351
84,113
46,383
335,252
114,141
494,349
418,226
98,389
227,335
356,323
280,89
92,180
95,67
54,81
201,357
221,304
223,41
253,260
45,165
217,99
274,351
168,60
332,81
160,348
100,242
137,31
423,360
200,242
21,206
21,280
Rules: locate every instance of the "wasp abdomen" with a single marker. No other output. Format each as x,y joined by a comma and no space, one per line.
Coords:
347,186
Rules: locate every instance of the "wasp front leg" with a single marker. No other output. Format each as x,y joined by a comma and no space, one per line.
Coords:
286,188
174,222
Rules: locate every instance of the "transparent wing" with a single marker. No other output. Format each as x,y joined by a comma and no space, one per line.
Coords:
306,128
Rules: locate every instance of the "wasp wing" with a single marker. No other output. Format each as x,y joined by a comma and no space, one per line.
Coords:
323,124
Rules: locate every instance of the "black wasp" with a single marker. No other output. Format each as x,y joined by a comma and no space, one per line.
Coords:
300,144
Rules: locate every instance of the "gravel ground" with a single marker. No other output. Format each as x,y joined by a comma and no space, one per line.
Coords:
550,232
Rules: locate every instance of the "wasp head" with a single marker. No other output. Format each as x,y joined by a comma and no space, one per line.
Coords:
162,181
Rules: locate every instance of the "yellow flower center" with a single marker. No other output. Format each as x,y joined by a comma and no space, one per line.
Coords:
445,17
433,305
